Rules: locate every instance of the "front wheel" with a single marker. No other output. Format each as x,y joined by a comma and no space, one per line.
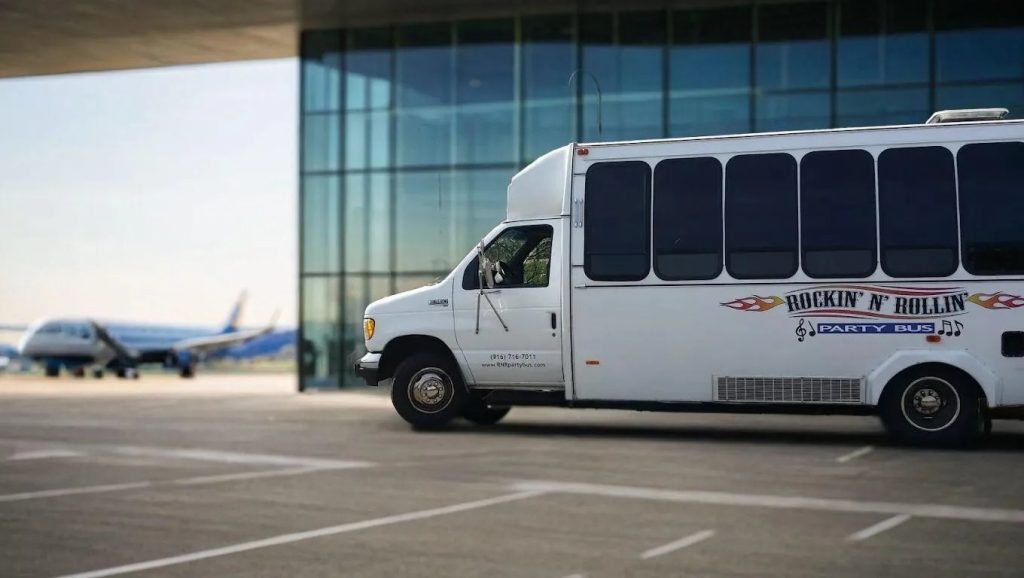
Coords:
934,406
428,391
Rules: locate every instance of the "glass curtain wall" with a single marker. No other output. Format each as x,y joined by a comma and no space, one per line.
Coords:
410,133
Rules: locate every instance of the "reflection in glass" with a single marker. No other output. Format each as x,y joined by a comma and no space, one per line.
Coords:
321,210
710,71
978,40
321,141
548,59
319,340
424,63
485,81
321,70
628,72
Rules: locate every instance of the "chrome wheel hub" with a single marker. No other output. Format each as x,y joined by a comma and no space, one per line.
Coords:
430,390
927,401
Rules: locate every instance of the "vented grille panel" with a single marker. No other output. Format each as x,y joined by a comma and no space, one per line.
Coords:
790,389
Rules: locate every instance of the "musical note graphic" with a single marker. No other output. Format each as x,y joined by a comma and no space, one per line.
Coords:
802,332
947,328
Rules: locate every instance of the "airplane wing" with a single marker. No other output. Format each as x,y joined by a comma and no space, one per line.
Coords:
9,327
109,340
211,343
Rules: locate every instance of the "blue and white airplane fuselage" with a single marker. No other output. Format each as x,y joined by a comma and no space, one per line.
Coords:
77,343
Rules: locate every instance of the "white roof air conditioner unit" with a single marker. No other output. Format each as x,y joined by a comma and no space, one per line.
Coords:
968,115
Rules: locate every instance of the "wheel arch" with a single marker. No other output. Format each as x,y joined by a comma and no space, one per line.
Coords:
402,347
961,361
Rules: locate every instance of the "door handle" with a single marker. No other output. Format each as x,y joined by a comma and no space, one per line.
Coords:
554,324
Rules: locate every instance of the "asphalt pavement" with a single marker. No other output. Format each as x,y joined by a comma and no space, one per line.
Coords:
241,476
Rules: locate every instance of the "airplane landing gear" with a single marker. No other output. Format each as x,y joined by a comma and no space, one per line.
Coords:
52,370
187,371
97,373
78,372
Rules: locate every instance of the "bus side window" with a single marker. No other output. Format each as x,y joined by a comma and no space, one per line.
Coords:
837,214
616,230
917,212
761,216
991,206
688,219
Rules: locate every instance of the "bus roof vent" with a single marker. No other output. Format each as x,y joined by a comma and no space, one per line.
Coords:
968,115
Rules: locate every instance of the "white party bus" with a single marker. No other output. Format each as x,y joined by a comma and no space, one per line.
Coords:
851,271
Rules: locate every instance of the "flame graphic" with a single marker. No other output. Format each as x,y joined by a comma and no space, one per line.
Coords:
754,303
997,300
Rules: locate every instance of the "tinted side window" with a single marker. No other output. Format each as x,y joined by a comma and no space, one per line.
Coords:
837,214
917,212
688,218
616,244
992,208
761,216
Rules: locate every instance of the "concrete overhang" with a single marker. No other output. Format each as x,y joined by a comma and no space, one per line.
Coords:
40,37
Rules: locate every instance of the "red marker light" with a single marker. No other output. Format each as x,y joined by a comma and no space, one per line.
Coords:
583,151
933,338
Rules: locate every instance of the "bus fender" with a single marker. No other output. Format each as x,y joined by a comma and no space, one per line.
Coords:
957,358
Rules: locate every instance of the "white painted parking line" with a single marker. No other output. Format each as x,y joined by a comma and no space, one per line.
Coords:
941,511
307,535
216,479
686,542
192,481
73,491
192,454
855,454
887,524
45,454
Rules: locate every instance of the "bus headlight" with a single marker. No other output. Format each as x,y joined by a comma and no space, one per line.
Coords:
368,326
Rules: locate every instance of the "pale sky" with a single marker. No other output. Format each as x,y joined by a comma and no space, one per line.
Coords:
150,195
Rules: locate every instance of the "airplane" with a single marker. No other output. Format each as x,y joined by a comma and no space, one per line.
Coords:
75,344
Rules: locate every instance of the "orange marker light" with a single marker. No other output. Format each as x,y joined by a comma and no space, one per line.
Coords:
593,362
583,151
932,338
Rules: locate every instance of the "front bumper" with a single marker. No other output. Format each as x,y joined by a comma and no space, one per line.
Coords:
367,368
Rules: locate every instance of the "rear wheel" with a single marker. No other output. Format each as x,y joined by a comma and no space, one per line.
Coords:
478,412
428,391
933,405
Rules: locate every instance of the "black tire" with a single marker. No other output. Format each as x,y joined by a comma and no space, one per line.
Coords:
97,373
52,370
428,391
478,412
933,405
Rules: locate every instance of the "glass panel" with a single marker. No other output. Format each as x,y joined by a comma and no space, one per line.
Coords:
917,212
991,205
882,106
761,216
424,221
629,73
424,64
321,142
793,111
616,235
367,140
882,62
793,67
485,92
1008,95
688,218
548,59
882,42
354,301
479,198
793,47
321,211
709,71
978,40
319,344
368,69
837,213
367,229
321,70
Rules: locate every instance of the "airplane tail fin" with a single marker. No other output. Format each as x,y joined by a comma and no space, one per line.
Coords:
235,317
